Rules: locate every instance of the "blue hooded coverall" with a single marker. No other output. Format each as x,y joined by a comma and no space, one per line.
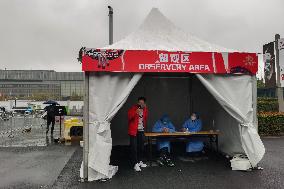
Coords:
193,126
164,122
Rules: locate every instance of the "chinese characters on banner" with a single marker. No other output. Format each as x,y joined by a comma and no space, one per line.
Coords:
176,62
281,60
269,65
112,60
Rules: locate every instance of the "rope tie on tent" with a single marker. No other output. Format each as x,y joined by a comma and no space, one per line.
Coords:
250,125
102,126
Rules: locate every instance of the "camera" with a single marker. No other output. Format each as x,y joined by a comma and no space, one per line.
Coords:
60,111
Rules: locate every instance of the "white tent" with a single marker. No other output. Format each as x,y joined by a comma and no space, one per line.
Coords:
107,92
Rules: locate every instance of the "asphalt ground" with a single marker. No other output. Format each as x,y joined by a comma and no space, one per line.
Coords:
32,160
32,167
211,171
28,157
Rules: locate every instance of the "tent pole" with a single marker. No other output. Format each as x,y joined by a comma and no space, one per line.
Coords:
86,128
254,101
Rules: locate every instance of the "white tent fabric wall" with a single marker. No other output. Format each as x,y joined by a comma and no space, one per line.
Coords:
234,93
215,117
108,93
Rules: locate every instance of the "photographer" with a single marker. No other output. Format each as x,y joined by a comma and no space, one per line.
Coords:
137,118
51,112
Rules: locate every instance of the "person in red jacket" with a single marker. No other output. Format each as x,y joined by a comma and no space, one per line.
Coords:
137,118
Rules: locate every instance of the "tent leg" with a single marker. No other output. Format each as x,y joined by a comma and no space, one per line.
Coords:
254,101
86,128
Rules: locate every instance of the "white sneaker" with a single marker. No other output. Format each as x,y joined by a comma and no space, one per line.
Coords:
137,167
143,165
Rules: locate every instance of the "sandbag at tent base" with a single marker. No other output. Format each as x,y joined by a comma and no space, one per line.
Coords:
240,162
95,176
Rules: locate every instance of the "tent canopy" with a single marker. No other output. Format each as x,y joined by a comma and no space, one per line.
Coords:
166,48
159,46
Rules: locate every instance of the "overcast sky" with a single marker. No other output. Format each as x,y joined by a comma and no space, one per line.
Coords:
47,34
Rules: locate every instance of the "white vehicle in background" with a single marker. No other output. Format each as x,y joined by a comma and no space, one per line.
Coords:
19,111
22,110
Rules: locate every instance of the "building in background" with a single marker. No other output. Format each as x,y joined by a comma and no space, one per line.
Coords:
41,85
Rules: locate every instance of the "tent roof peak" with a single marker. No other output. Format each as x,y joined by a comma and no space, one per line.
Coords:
156,20
157,32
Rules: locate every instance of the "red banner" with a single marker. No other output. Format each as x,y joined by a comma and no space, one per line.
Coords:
108,60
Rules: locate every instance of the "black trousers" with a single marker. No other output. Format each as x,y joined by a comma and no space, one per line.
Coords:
50,120
164,153
137,147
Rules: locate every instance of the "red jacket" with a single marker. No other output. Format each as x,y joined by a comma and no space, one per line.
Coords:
133,119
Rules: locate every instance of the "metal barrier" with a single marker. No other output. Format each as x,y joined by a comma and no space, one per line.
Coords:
23,131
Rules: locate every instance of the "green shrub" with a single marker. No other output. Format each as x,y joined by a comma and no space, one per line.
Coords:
271,123
266,99
267,106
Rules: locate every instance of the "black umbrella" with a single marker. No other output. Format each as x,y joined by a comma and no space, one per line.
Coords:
50,102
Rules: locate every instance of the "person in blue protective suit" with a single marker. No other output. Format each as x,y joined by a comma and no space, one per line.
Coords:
165,125
193,124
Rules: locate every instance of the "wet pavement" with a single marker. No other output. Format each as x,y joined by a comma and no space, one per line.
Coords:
31,160
211,172
28,157
32,167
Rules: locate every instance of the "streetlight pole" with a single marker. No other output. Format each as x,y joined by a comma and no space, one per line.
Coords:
110,16
15,101
279,88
